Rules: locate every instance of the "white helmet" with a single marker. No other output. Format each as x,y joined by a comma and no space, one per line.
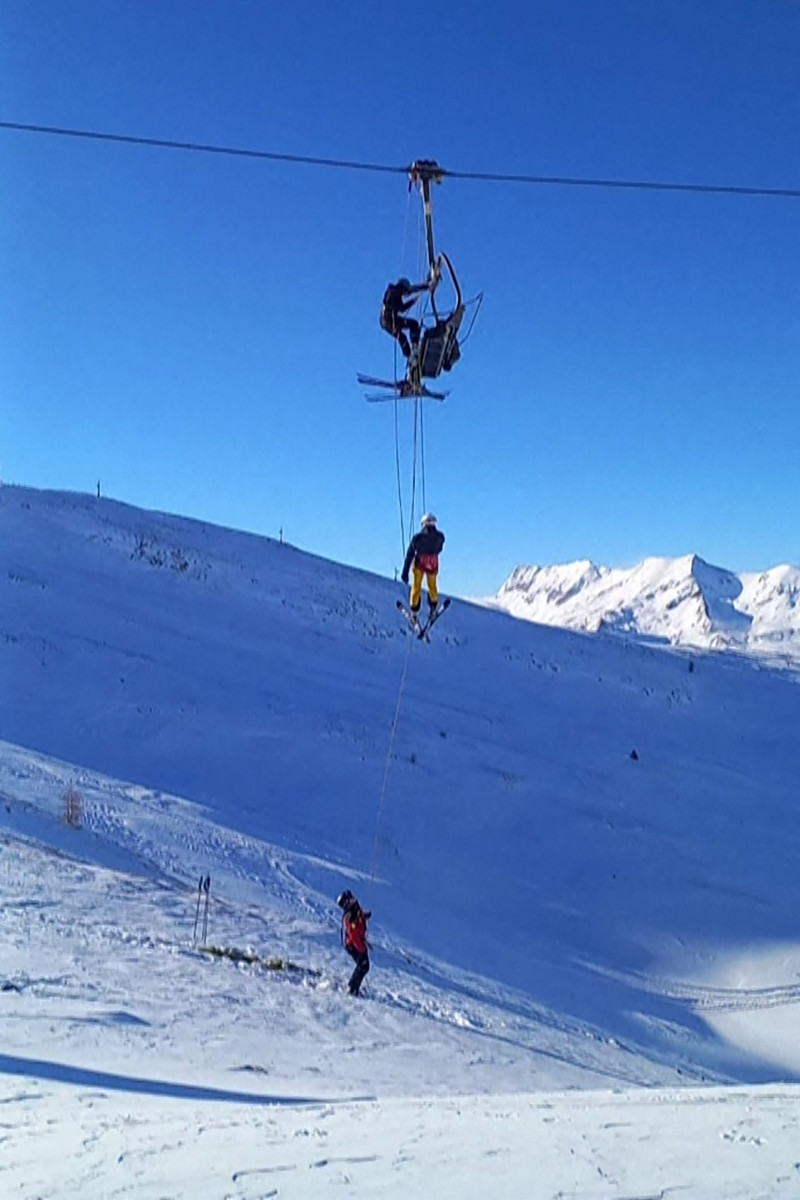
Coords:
428,519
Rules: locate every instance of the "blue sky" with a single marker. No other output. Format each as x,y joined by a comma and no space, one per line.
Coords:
187,328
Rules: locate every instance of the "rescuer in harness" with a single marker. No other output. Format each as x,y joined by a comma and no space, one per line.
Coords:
397,300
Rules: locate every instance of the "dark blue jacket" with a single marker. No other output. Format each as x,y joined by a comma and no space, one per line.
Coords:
425,548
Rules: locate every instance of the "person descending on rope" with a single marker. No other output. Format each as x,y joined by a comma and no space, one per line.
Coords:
397,300
423,557
354,936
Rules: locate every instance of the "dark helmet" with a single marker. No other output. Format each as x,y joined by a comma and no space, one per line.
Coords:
345,899
404,284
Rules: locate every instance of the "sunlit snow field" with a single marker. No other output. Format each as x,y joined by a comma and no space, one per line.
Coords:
586,965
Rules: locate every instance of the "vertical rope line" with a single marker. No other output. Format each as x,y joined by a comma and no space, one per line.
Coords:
398,471
397,463
389,761
422,241
422,457
405,232
399,485
411,515
422,308
421,268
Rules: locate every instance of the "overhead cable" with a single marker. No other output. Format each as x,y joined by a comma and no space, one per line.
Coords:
648,185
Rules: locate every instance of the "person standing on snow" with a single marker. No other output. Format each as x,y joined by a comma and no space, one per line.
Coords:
423,554
354,935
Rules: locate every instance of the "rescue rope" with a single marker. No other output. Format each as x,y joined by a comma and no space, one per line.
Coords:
397,468
396,404
422,261
411,516
422,457
405,230
387,767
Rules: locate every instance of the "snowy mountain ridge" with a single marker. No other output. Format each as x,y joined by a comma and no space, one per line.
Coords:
682,601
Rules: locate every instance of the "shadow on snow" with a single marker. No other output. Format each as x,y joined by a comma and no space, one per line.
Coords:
39,1069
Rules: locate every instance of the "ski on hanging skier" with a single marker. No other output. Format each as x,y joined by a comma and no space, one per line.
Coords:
432,619
419,629
412,618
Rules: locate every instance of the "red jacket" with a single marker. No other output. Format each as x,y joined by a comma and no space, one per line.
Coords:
355,928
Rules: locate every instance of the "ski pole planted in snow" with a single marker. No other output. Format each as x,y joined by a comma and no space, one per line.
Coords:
197,910
206,889
203,882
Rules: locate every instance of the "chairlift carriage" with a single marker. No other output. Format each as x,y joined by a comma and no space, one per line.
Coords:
438,348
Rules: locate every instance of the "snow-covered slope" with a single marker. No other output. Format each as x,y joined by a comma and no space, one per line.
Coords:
684,601
550,912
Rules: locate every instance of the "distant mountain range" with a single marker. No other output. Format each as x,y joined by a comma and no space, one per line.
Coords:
682,601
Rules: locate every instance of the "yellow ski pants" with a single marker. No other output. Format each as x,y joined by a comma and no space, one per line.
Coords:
416,587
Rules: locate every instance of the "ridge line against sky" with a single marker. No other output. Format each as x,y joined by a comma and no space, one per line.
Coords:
190,335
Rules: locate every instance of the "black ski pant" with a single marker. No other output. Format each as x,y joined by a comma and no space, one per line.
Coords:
413,327
362,966
396,325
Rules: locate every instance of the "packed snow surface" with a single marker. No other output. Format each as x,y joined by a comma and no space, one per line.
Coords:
580,852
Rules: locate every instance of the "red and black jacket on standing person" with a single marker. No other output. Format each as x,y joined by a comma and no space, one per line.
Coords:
354,922
354,935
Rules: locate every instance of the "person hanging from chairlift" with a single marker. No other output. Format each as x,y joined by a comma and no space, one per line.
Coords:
423,558
397,300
